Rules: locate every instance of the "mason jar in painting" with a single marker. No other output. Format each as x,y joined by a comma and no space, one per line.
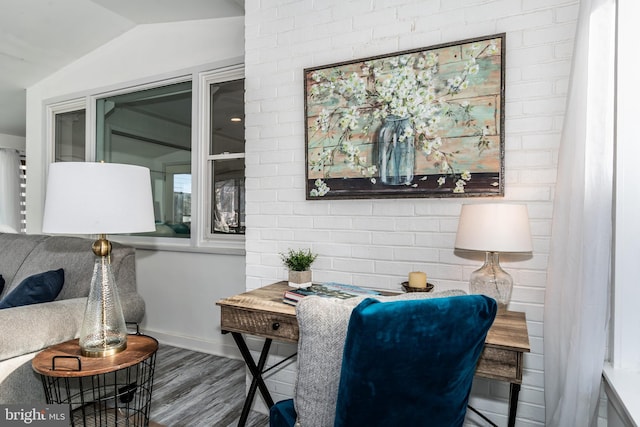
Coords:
396,151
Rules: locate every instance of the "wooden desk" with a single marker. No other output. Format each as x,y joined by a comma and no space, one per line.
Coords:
262,313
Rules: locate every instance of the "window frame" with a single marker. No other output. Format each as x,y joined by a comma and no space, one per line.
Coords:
205,81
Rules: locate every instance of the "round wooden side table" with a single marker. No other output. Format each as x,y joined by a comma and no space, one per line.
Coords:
100,391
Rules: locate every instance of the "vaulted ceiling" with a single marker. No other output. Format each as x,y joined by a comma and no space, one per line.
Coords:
39,37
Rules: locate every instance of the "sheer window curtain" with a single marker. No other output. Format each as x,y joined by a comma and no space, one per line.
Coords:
9,190
576,297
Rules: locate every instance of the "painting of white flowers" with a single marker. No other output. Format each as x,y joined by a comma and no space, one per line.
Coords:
418,123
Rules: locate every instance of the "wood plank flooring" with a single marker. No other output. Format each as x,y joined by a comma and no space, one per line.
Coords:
193,389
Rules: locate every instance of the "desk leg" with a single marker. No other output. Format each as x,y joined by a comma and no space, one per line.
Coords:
256,373
514,391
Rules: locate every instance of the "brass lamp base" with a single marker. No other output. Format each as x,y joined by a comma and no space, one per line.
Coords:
105,352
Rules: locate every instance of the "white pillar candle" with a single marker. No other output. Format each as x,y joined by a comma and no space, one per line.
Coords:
418,279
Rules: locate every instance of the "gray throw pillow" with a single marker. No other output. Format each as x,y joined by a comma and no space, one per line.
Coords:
323,326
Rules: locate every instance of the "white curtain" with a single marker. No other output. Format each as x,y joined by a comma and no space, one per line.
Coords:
576,297
9,189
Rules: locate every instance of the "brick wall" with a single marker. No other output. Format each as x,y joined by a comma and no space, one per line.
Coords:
376,242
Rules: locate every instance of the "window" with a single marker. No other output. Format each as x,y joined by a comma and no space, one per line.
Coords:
67,123
69,129
152,128
226,157
23,193
178,195
196,158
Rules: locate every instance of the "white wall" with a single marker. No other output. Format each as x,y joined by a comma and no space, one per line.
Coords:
12,141
626,346
376,242
180,288
623,372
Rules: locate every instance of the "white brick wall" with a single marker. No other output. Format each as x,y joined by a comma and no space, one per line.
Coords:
376,242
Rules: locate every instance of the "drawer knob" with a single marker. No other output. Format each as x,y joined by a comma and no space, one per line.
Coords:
275,326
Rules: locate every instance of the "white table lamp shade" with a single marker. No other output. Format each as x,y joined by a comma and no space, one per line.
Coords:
494,227
98,198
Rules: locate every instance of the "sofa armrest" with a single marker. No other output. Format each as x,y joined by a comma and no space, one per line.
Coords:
33,327
132,306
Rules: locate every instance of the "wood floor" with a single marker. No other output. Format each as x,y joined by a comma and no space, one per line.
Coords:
192,389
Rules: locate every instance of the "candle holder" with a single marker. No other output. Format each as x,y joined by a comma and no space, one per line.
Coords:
407,288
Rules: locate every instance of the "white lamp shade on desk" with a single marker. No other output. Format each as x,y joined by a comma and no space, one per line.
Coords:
98,198
494,227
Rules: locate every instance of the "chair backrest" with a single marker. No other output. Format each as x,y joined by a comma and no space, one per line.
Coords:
412,362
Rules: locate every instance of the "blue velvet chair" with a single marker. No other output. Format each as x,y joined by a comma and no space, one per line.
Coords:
407,363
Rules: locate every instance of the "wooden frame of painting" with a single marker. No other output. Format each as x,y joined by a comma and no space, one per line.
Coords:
419,123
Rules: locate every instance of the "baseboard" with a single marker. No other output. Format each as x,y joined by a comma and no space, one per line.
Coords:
219,347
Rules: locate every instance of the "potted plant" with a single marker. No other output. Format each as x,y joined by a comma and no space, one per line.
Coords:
299,264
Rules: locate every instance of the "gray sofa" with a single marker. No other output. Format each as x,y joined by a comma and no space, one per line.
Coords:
26,330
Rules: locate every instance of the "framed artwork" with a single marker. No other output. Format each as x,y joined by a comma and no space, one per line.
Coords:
420,123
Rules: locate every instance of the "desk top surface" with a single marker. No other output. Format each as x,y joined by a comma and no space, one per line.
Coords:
508,331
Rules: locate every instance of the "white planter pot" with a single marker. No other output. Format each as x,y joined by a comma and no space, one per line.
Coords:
299,279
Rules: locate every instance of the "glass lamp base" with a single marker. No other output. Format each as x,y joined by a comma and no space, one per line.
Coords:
491,280
104,331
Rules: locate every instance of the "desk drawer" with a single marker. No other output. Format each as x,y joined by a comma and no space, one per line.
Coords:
269,325
500,364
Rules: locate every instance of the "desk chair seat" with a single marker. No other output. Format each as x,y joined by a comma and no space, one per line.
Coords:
283,414
406,363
